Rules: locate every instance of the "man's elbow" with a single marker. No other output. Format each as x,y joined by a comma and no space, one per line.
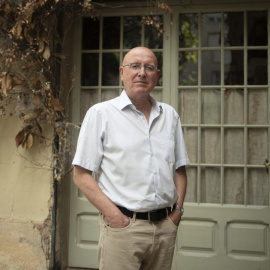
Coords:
79,174
76,174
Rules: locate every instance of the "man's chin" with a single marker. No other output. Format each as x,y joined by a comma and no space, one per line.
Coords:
142,89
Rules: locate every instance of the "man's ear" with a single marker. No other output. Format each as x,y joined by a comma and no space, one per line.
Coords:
158,72
121,72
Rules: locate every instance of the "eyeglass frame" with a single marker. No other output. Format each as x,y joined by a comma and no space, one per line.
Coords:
140,66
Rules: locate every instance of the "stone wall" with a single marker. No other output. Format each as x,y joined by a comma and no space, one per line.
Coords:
25,200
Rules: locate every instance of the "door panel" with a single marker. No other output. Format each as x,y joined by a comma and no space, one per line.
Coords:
211,237
84,232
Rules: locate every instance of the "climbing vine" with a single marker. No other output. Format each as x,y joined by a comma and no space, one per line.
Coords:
31,37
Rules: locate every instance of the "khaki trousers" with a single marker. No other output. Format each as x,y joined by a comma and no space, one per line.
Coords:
142,245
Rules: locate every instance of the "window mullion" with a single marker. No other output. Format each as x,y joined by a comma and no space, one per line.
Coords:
245,110
121,48
268,53
168,77
199,109
222,152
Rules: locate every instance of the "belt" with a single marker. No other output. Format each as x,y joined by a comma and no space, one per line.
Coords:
155,215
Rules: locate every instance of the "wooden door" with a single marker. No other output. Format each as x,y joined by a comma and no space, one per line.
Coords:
223,100
215,74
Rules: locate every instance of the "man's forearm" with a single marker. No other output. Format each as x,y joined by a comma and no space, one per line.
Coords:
181,184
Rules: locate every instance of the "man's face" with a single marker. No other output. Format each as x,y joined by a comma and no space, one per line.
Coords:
140,81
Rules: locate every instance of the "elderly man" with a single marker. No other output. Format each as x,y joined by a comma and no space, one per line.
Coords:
135,147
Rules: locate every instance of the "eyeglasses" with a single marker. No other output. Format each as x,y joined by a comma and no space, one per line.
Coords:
138,66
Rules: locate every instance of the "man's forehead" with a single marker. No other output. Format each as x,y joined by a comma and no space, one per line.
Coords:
138,54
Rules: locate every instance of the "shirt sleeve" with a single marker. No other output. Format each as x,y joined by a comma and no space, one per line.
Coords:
181,156
89,150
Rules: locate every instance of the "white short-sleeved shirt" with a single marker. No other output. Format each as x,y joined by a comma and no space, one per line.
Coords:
134,160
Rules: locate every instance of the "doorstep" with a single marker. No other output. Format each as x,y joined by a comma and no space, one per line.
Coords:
72,268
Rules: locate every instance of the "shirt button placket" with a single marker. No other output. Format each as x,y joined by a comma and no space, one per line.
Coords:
154,169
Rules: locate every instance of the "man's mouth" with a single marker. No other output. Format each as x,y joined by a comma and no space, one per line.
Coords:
141,82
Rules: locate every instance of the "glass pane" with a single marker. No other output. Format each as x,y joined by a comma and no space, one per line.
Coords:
258,188
211,26
211,106
90,34
234,186
191,141
210,185
257,67
159,56
234,146
110,68
234,67
88,99
152,38
234,29
188,68
257,28
211,149
107,94
234,107
210,67
191,194
188,33
111,33
157,94
257,146
257,106
132,32
188,106
90,66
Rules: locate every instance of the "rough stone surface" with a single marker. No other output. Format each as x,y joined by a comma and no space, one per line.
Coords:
20,246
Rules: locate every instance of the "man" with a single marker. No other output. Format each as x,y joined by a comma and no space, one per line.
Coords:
135,145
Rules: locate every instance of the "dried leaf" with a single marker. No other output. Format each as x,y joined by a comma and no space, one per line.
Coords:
29,141
27,36
36,84
6,84
46,55
20,137
20,89
57,177
37,100
17,30
28,116
56,105
41,46
16,81
2,74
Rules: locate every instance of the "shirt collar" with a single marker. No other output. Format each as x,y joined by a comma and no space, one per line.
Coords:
125,101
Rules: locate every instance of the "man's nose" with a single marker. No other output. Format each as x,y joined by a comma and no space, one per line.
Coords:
142,71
